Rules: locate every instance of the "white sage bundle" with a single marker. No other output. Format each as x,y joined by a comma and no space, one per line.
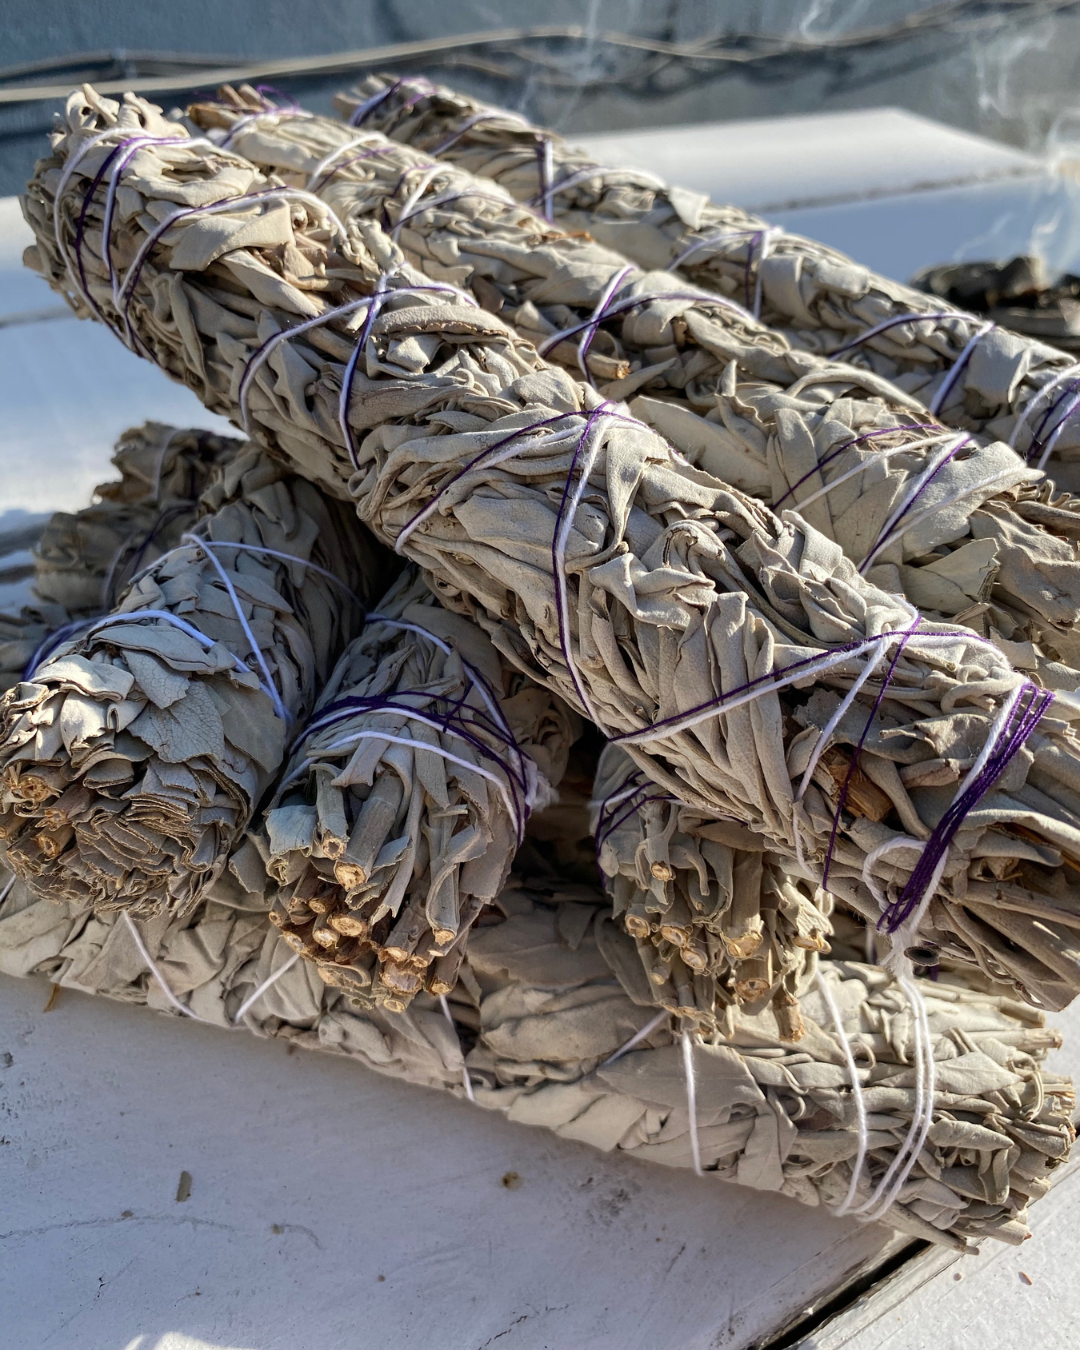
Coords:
740,658
84,560
406,798
960,528
719,922
969,372
132,758
538,1028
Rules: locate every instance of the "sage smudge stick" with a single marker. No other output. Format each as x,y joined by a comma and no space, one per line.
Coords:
719,922
961,528
972,374
739,657
406,798
537,1020
132,758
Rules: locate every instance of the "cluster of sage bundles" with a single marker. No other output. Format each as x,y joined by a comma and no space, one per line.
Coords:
132,758
971,373
740,658
719,922
961,528
406,798
950,1146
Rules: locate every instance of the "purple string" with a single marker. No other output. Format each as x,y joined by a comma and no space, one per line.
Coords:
878,328
849,776
1037,441
449,723
834,454
889,533
610,311
962,635
1022,722
49,644
607,822
335,168
564,618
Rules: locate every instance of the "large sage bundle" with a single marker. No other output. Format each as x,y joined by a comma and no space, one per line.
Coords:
973,374
719,922
537,1017
726,649
132,758
406,798
959,528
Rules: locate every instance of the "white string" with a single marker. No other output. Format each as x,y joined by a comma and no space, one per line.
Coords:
260,355
414,196
691,1101
285,557
717,237
1069,373
269,687
1055,436
562,537
466,1080
899,319
594,321
957,366
410,716
635,1039
144,953
324,163
856,1085
968,491
243,122
865,464
506,452
261,989
7,888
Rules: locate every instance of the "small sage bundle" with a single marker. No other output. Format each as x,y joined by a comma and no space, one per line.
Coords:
83,560
971,373
537,1022
719,922
740,658
132,758
406,798
958,527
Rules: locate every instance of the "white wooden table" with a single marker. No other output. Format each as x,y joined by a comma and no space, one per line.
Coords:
331,1209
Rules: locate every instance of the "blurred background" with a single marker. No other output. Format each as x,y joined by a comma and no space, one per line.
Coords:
1006,69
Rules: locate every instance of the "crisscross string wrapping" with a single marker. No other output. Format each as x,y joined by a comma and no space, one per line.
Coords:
607,308
897,525
520,784
374,304
623,801
114,165
243,122
1070,377
938,435
424,87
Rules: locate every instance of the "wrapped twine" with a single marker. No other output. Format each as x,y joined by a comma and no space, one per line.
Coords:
132,757
971,373
719,922
539,1028
740,659
961,528
406,798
